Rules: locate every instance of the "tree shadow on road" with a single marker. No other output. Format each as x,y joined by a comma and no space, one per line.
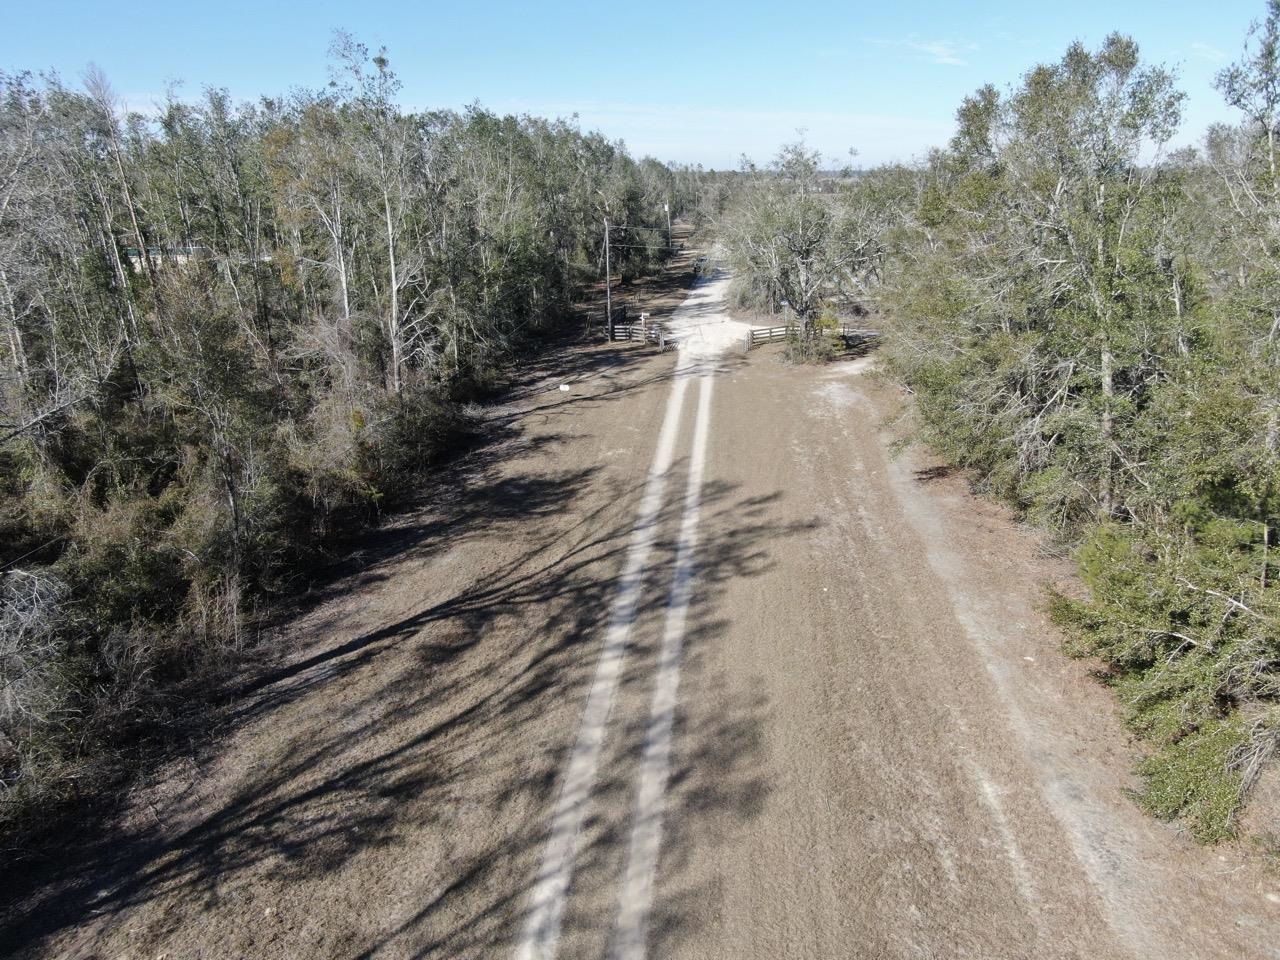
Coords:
716,770
422,728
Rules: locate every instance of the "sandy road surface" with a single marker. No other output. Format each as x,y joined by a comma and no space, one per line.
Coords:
830,719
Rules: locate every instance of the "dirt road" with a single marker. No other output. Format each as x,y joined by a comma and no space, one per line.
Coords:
682,664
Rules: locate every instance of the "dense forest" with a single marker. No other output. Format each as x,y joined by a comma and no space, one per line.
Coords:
1090,322
230,332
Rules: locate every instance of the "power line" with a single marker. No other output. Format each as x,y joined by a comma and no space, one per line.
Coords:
642,246
61,536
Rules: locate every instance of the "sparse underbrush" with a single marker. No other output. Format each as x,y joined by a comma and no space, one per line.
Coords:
1088,323
231,335
1076,328
817,342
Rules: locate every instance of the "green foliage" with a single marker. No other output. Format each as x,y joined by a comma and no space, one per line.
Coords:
235,332
1191,778
828,321
812,245
1077,329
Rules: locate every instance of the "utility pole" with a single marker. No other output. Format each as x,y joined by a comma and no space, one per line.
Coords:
608,280
667,207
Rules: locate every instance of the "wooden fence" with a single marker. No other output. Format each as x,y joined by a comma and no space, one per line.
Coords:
850,335
653,333
762,335
642,333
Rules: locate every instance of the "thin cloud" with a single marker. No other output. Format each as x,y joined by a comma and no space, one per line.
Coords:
948,53
1206,51
942,51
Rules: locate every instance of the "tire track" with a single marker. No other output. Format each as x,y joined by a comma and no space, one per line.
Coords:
646,833
541,933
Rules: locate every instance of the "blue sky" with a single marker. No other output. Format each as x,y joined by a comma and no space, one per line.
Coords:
702,81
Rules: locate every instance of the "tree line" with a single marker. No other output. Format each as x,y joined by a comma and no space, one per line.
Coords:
231,331
1089,320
